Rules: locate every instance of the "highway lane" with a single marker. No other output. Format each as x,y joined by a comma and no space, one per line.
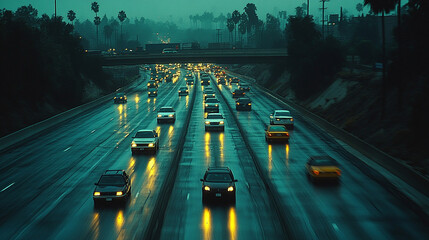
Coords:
187,217
54,173
357,208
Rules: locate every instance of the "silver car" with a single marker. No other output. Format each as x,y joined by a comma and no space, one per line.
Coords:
282,117
145,140
214,121
166,114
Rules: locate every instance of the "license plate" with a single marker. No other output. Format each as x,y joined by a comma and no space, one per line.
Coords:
218,194
108,199
278,134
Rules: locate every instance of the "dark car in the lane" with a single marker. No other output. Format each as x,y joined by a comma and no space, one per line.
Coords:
211,105
152,92
244,87
218,183
183,91
238,93
120,98
113,186
243,103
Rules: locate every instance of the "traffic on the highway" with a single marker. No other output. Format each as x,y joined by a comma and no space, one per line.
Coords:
193,151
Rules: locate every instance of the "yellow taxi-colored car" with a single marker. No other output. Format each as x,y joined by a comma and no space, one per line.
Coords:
322,168
276,132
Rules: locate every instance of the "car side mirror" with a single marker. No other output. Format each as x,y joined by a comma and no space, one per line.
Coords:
133,137
202,180
156,134
235,180
95,184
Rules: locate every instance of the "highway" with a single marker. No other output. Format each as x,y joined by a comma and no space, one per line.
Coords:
47,181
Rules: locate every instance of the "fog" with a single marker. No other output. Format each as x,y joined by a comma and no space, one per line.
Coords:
177,10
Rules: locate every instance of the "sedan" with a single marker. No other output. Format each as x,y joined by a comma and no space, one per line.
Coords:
218,183
243,103
244,87
322,168
214,121
120,98
211,105
282,117
183,91
152,92
113,185
208,93
238,93
145,140
276,133
166,114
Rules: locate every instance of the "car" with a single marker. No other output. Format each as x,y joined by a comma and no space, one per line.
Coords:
221,81
243,103
244,87
152,84
237,93
235,81
190,81
322,168
168,78
211,105
169,50
276,133
113,186
152,92
145,140
214,121
205,80
218,183
120,98
166,114
282,117
183,91
208,93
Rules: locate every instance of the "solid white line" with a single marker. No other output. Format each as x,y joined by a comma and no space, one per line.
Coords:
65,150
10,185
187,197
137,195
93,131
335,227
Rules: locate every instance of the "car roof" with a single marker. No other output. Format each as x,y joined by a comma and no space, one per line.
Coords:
166,107
219,169
146,130
243,99
216,114
114,172
287,111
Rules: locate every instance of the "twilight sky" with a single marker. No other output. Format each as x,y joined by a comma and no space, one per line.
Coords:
176,9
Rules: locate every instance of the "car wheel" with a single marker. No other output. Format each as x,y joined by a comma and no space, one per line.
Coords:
133,152
96,203
233,199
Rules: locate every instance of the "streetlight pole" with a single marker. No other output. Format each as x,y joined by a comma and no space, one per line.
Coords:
55,9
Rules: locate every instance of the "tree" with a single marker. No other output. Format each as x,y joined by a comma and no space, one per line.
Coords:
27,14
96,8
359,7
250,10
230,25
122,16
242,26
382,7
71,15
236,18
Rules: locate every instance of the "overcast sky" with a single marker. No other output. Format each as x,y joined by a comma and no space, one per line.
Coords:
176,9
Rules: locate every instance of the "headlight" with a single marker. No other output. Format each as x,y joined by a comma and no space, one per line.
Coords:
249,104
207,122
133,144
154,92
207,105
159,115
114,98
148,92
151,145
238,103
217,105
96,193
291,119
120,97
120,193
221,122
171,115
230,189
206,188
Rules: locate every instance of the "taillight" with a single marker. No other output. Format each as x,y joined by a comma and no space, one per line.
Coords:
316,172
338,172
269,134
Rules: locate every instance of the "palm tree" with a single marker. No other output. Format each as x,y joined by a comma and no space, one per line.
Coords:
122,16
230,25
96,8
236,18
71,15
382,7
242,27
250,10
359,7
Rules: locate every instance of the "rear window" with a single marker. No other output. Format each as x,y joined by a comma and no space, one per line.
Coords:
286,113
111,181
212,100
166,110
324,162
218,177
277,128
147,134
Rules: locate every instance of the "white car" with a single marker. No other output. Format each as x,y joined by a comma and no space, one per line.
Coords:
166,114
214,121
145,140
282,117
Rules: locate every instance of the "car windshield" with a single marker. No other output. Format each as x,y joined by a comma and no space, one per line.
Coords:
324,162
285,113
120,94
166,110
244,99
183,89
212,100
218,177
152,89
146,134
214,116
111,181
277,129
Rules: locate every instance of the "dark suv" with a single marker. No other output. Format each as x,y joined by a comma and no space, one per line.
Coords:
120,98
218,183
114,185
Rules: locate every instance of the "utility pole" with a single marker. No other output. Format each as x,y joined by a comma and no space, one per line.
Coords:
308,8
323,18
55,9
218,34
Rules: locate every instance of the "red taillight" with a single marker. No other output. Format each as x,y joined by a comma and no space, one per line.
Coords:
316,172
269,134
338,172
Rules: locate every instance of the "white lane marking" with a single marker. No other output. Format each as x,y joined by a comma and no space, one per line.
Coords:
65,150
187,197
335,227
137,195
10,185
93,131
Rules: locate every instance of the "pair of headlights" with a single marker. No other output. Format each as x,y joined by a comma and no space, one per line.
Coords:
133,144
170,115
221,122
120,193
207,188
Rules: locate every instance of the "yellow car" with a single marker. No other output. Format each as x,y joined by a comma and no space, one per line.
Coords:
276,132
323,168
